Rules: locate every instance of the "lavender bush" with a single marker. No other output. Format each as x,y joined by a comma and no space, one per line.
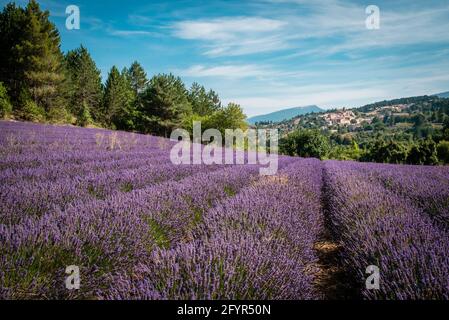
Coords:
426,186
377,227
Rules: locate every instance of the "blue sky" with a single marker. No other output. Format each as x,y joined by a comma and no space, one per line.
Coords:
271,54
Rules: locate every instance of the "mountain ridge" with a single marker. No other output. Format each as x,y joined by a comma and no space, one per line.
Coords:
443,94
284,114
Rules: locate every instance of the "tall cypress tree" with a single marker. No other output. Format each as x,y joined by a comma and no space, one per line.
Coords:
85,84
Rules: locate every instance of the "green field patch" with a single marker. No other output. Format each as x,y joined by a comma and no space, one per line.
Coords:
159,233
126,187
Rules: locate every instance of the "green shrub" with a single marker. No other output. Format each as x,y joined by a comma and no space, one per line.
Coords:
305,143
59,115
423,152
5,104
386,152
84,117
443,151
32,112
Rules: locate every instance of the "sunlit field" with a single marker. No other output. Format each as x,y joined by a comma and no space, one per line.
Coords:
140,227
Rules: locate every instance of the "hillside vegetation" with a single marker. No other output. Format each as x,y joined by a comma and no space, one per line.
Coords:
408,130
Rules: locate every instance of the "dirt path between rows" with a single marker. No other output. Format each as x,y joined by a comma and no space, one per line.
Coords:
332,281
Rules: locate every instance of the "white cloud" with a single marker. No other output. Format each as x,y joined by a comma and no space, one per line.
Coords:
396,29
368,71
225,28
140,20
126,33
268,74
233,35
344,24
225,71
341,21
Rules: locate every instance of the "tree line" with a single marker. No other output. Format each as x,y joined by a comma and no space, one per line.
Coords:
38,82
382,149
419,134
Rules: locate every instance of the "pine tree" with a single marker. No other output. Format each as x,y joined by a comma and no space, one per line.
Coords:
203,103
85,84
165,104
111,101
83,116
214,101
42,57
138,78
31,60
12,23
119,100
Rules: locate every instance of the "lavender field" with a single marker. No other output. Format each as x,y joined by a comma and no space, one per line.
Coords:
140,227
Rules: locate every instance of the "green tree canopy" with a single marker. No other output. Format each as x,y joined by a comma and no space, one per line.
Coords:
387,152
119,100
230,117
445,131
164,104
423,152
12,69
85,84
203,103
305,143
42,56
137,77
31,60
443,151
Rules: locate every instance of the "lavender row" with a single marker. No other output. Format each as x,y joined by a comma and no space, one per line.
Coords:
256,245
35,135
59,155
51,171
68,145
106,236
35,198
427,187
376,227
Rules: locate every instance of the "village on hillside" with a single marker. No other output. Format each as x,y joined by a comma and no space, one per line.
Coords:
355,119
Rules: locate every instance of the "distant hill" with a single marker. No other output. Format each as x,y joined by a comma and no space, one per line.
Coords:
443,94
408,100
365,114
284,114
